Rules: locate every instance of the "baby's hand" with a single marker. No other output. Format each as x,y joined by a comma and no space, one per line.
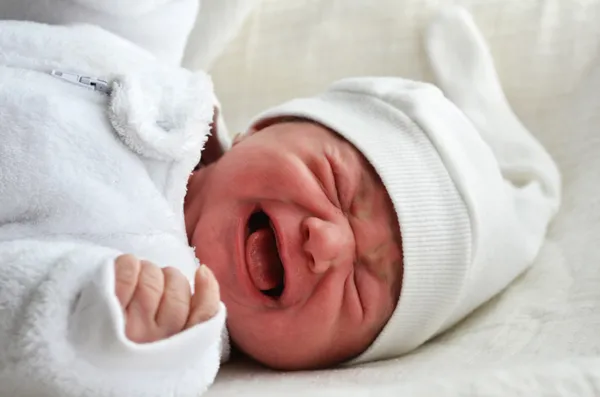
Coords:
158,302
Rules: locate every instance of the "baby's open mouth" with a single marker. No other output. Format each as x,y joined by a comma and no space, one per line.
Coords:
262,256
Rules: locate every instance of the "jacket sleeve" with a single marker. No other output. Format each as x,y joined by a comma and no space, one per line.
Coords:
159,26
62,330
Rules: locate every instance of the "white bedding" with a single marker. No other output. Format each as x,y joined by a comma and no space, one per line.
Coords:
541,337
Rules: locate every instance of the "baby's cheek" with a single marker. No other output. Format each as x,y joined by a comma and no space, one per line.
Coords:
258,337
380,262
378,250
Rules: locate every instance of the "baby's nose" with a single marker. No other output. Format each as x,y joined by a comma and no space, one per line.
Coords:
326,243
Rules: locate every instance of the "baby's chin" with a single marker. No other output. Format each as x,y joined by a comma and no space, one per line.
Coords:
283,359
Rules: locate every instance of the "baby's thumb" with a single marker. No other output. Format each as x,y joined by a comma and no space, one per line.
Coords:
206,298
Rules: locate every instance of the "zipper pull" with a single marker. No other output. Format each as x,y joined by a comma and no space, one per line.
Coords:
91,83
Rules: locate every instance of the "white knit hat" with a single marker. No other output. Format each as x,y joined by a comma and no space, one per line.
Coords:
449,195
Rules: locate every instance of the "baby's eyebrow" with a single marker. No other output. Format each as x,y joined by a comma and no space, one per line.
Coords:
318,167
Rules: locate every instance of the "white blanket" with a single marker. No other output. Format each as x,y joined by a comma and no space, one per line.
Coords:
540,337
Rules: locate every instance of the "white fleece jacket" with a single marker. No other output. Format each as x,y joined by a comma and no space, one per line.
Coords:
85,175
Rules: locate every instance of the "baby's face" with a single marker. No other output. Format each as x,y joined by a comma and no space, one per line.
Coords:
304,241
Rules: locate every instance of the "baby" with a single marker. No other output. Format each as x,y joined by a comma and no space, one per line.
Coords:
368,219
345,228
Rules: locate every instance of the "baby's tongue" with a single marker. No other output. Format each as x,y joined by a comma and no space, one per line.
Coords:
263,259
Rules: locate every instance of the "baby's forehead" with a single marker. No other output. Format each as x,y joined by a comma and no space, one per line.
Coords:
350,153
300,121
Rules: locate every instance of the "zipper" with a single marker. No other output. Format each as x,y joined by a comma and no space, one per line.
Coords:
91,83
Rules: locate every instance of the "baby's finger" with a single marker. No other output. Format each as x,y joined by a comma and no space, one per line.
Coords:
141,312
205,301
175,304
127,269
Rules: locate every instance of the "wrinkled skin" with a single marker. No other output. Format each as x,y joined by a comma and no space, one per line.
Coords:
330,247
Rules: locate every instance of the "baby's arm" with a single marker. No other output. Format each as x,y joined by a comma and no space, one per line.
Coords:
63,329
159,26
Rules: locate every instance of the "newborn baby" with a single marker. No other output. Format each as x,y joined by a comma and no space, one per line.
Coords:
345,228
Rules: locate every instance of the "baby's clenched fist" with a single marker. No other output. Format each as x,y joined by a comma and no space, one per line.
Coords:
158,303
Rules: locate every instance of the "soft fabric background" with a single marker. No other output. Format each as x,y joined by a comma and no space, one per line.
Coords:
542,336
